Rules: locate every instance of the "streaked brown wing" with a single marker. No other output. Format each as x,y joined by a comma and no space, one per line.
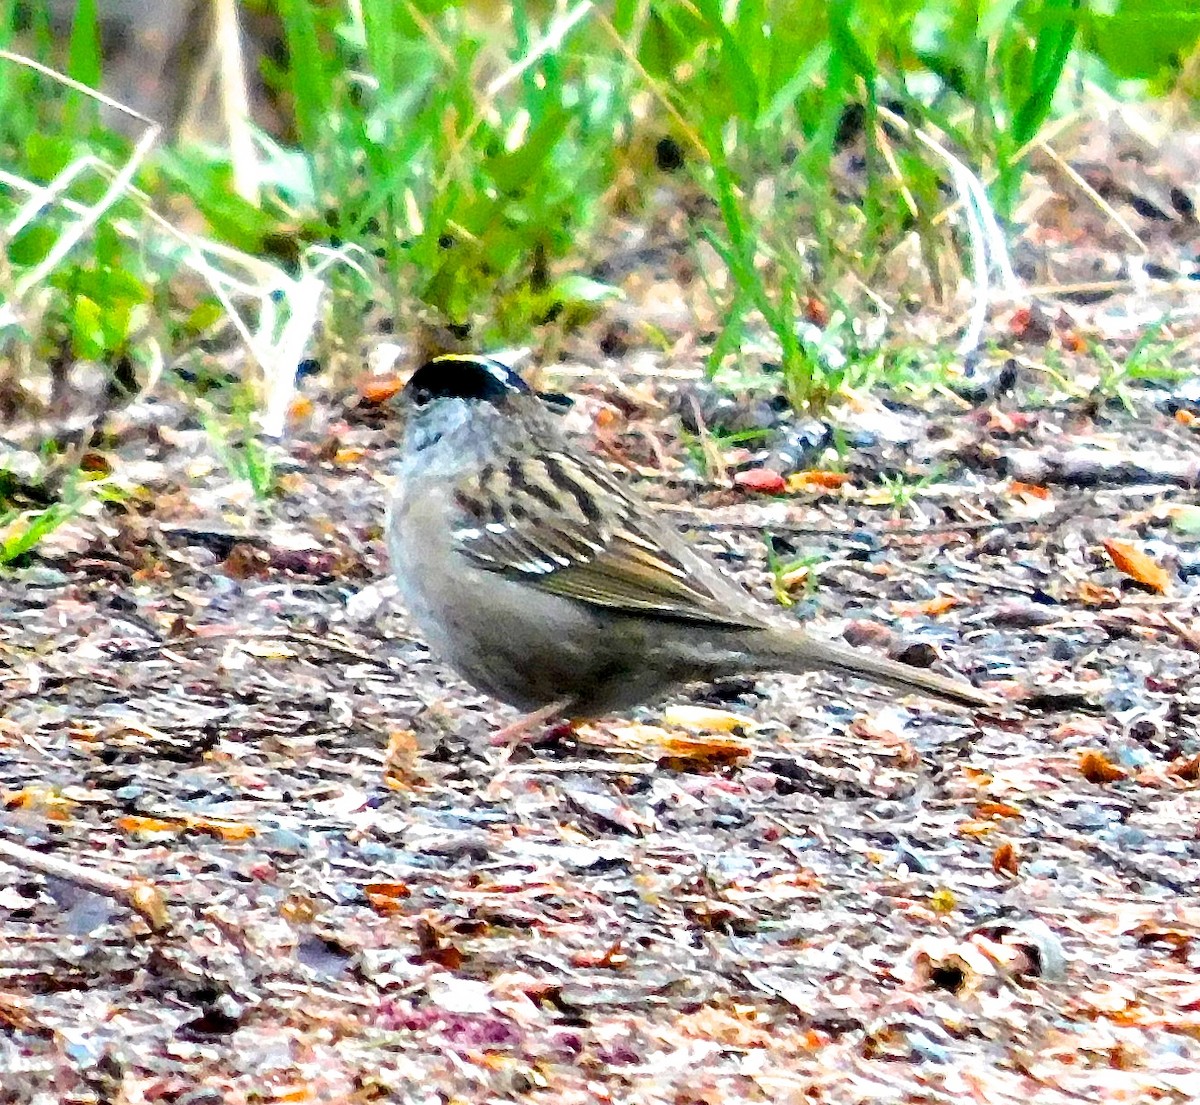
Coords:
562,524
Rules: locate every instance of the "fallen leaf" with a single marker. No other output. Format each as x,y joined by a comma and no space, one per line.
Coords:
44,800
689,753
704,719
765,481
386,897
1137,565
402,760
379,389
148,900
1092,594
611,958
1098,768
134,823
1004,858
210,826
998,809
943,900
1188,770
221,828
827,481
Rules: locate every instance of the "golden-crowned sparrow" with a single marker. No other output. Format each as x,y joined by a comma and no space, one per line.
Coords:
541,579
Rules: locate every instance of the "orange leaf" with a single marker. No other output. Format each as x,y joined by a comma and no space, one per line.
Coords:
684,753
938,605
134,823
1185,769
764,480
1004,858
1098,768
816,311
379,389
997,809
221,829
1016,487
385,897
830,481
1137,565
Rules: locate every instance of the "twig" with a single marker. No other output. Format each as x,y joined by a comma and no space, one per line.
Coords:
1069,172
137,894
1189,636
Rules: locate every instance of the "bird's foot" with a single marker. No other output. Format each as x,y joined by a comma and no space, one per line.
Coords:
522,729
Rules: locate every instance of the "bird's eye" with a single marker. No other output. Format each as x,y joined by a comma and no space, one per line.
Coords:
421,397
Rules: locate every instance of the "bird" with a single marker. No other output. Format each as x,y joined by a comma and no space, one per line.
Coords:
540,578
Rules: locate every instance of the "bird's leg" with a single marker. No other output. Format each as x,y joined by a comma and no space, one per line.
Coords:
514,734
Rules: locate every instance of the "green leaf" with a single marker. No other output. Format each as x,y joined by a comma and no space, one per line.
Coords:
309,79
84,53
1141,38
514,170
576,288
1058,22
87,328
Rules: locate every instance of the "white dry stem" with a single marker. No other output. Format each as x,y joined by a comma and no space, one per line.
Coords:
43,196
235,101
288,308
555,34
989,251
78,230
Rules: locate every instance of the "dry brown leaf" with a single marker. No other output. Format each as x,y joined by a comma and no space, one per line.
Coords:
148,900
1137,565
1188,770
402,760
386,897
211,826
221,828
998,809
1092,594
826,481
1004,858
379,389
691,753
300,408
135,823
1098,768
44,800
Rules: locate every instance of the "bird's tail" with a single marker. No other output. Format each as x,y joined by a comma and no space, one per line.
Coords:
792,651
